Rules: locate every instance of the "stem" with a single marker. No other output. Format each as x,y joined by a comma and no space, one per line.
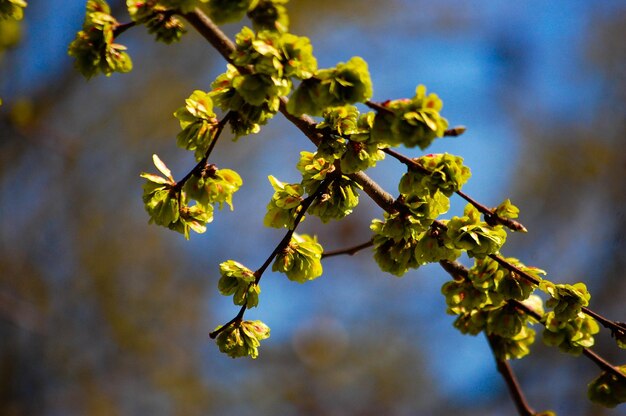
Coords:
203,161
349,251
304,206
523,408
123,27
603,364
491,217
490,214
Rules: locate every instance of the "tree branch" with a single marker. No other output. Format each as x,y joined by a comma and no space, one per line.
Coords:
523,408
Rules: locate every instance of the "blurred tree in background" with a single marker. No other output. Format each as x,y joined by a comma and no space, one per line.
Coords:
101,314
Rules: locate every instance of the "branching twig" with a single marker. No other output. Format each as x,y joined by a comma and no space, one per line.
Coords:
491,217
304,206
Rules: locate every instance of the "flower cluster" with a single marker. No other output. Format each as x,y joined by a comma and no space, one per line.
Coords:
167,204
301,259
242,338
13,9
264,14
275,58
284,206
441,172
159,18
607,389
476,237
239,281
485,301
94,48
404,241
347,83
348,139
197,122
412,122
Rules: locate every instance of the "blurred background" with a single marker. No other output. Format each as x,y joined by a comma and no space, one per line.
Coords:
102,314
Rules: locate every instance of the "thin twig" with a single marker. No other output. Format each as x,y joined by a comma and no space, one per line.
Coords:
523,408
304,206
491,217
200,165
348,251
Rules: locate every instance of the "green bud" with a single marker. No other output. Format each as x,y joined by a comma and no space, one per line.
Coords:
462,295
284,205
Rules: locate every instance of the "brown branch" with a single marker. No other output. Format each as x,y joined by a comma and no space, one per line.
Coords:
523,408
209,30
348,251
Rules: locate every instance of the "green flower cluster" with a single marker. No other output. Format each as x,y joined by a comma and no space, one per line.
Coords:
314,169
242,338
607,389
566,300
197,121
301,259
482,302
572,335
349,139
239,281
284,206
264,14
507,210
167,204
445,173
213,186
277,55
93,47
269,15
474,236
412,122
255,97
500,283
12,9
404,241
337,201
159,18
347,83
